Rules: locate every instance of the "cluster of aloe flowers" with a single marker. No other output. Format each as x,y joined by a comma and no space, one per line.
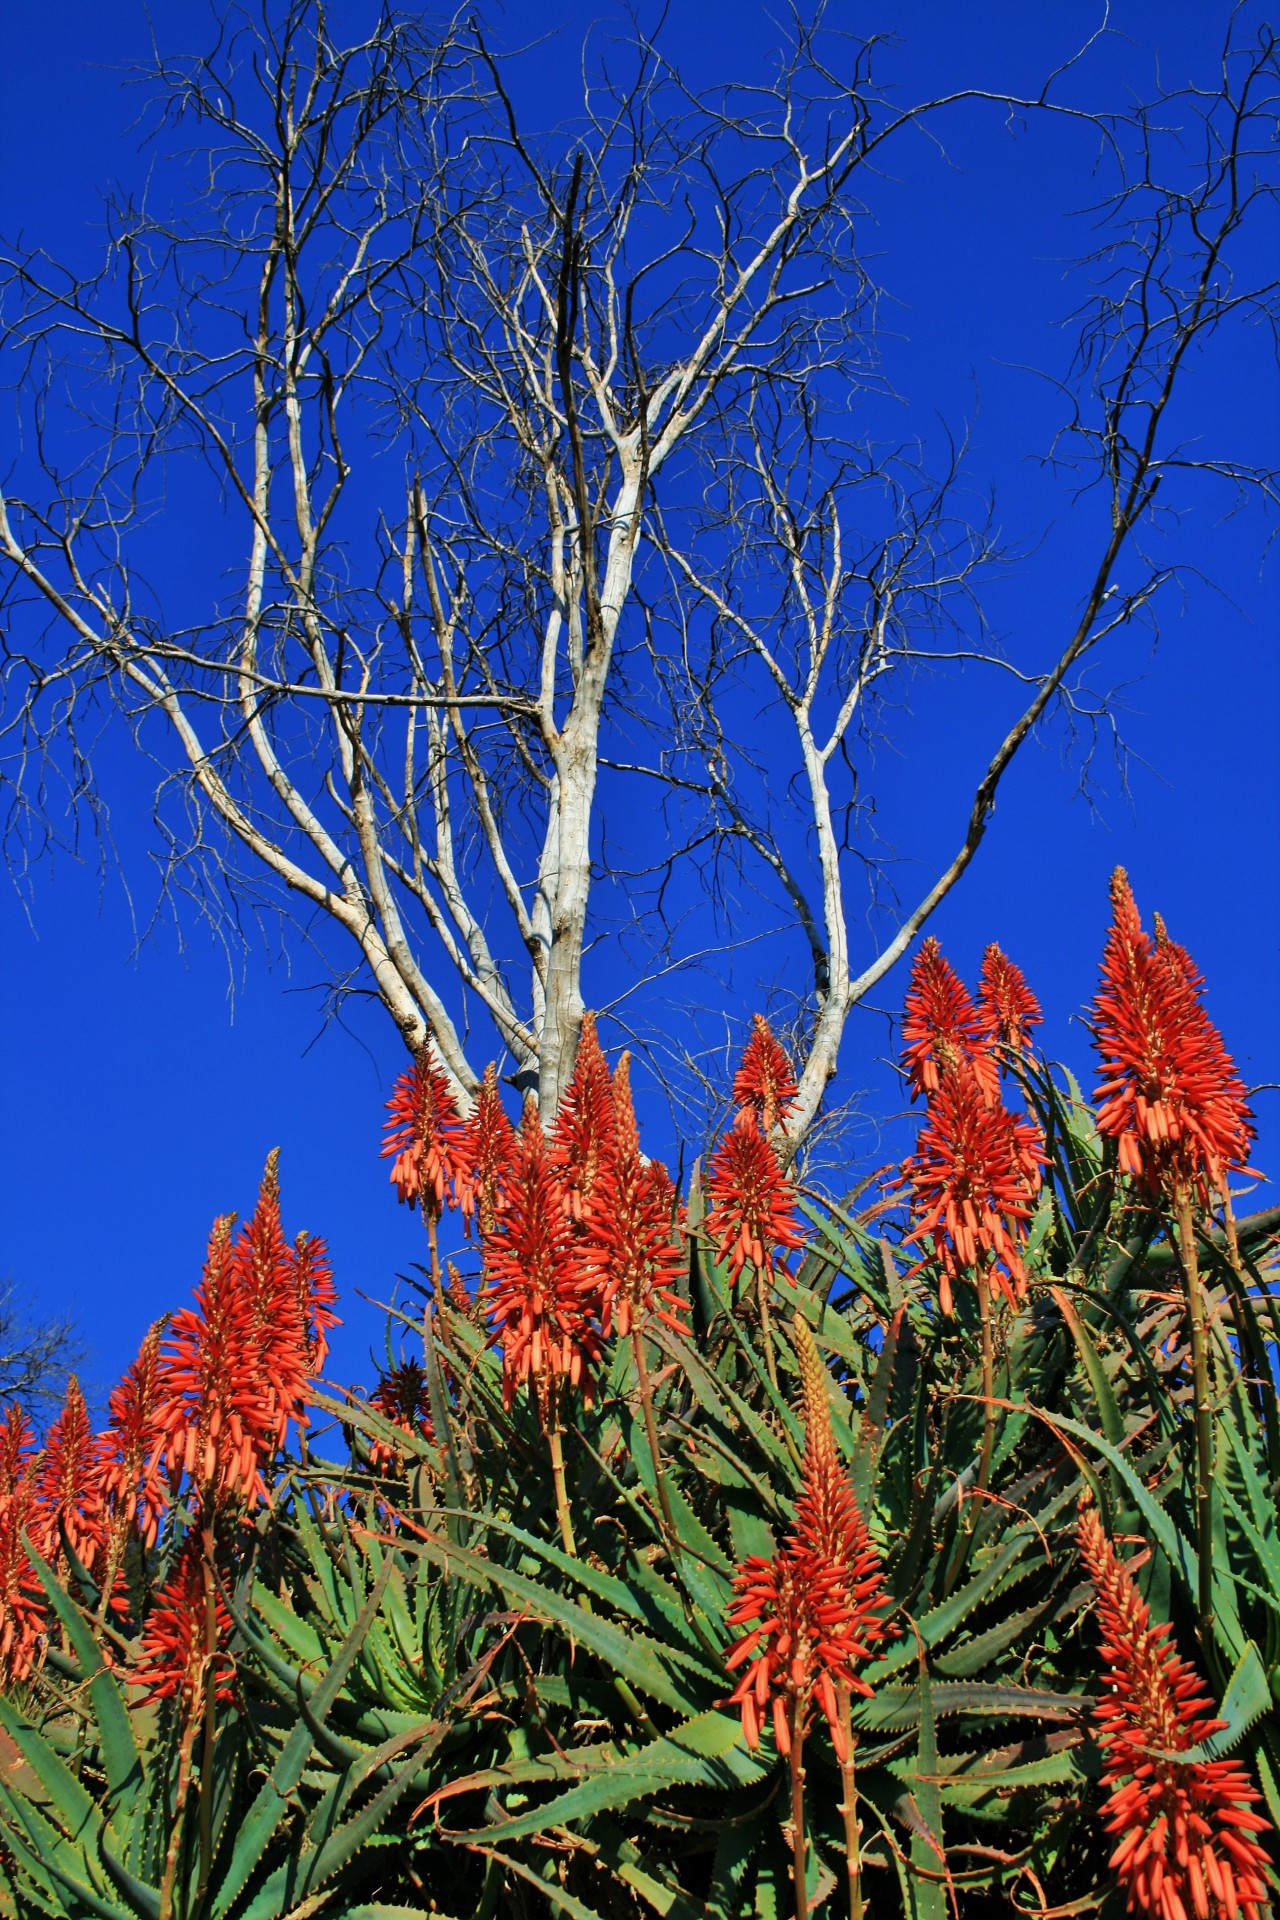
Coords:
194,1427
610,1320
581,1234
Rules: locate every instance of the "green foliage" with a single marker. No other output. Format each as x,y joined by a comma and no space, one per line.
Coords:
441,1710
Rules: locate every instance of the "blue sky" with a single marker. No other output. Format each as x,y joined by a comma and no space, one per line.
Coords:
145,1082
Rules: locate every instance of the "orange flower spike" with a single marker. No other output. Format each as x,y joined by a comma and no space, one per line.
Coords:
829,1521
68,1489
1007,1008
753,1208
262,1268
215,1421
424,1134
16,1441
171,1658
542,1288
975,1174
938,1014
311,1279
640,1262
22,1602
582,1137
815,1612
485,1149
764,1082
1170,1096
1188,1838
133,1489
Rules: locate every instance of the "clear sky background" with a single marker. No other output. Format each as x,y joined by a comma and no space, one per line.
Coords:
144,1083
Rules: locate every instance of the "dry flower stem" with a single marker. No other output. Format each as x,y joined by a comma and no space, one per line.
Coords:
798,1848
849,1805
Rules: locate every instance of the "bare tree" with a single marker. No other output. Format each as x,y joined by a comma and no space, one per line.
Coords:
612,516
35,1355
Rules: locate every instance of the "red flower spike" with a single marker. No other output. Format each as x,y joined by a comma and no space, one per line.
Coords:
216,1421
582,1137
542,1290
1170,1095
401,1397
22,1603
68,1485
275,1332
312,1281
134,1492
485,1150
172,1657
424,1134
816,1611
1188,1838
16,1443
975,1174
938,1014
753,1209
632,1226
799,1645
764,1082
1007,1008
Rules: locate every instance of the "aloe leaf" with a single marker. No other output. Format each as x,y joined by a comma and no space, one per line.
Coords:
708,1751
927,1850
67,1796
664,1673
1091,1361
273,1801
56,1857
905,1706
143,1899
972,1655
119,1751
942,1620
736,1847
1176,1548
560,1899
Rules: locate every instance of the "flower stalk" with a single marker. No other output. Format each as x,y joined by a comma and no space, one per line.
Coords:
1203,1414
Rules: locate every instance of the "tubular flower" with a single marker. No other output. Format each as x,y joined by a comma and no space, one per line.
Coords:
1187,1834
752,1207
485,1149
315,1294
424,1135
829,1521
939,1015
799,1644
68,1485
816,1611
173,1655
974,1174
215,1421
639,1260
401,1397
764,1082
134,1490
22,1610
1007,1008
542,1291
1170,1094
582,1137
262,1271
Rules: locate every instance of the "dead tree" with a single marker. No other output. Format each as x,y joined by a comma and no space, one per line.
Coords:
520,462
